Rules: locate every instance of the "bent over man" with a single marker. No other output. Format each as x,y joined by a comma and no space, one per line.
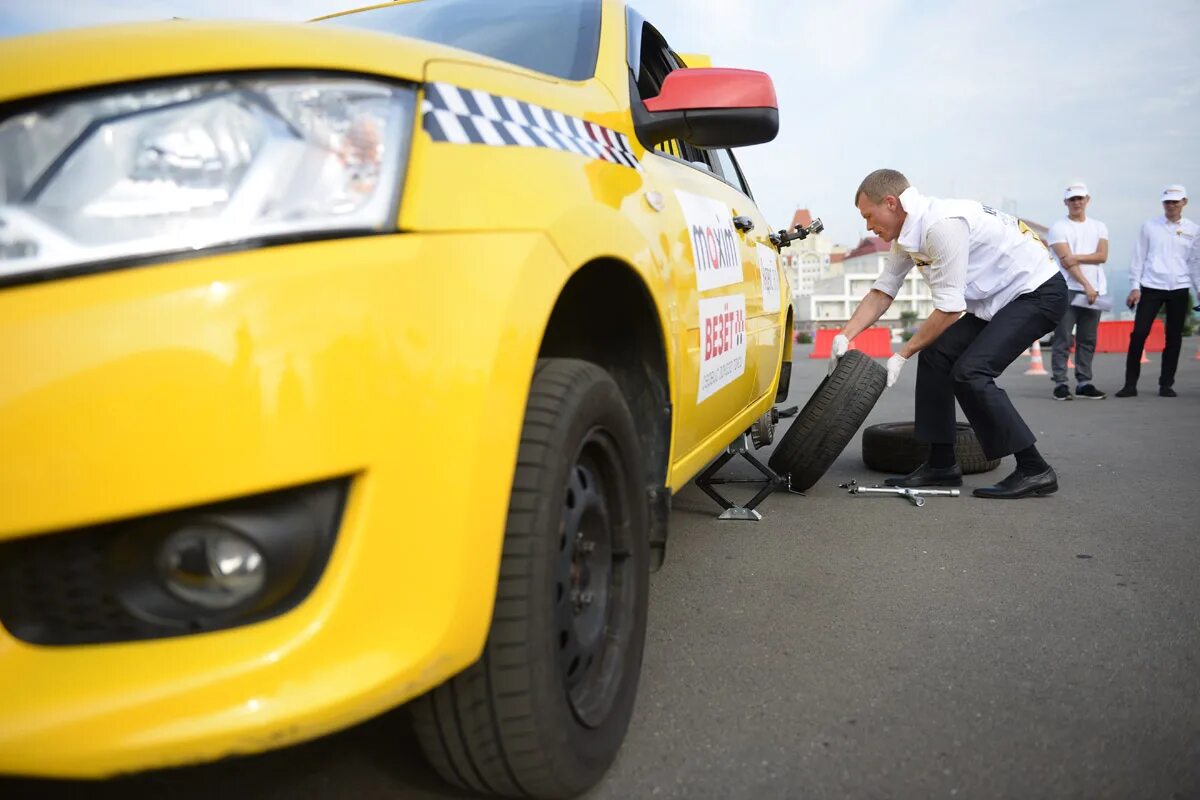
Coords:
988,264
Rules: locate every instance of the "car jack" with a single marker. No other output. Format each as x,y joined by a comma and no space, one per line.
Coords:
772,481
913,495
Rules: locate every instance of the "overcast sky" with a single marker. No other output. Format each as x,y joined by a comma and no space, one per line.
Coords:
1001,102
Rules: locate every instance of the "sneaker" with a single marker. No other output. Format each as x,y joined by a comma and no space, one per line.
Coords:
1127,391
1089,392
1166,391
1061,392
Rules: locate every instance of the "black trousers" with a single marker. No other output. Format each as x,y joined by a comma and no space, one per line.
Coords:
1176,301
964,362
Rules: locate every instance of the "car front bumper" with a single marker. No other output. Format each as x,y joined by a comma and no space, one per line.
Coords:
402,361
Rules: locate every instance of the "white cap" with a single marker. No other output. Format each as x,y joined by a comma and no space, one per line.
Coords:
1077,189
1175,191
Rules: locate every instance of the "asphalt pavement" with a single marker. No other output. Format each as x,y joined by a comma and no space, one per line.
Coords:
857,646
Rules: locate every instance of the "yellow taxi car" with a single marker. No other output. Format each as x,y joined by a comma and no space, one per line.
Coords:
352,363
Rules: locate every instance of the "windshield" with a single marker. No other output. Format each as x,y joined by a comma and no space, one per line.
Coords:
557,37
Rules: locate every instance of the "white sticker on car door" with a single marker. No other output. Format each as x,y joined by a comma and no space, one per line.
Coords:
768,265
714,242
722,343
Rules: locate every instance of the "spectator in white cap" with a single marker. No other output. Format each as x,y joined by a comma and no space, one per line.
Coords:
1081,244
1158,276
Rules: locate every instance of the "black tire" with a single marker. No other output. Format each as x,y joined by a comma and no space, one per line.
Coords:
545,709
829,420
893,447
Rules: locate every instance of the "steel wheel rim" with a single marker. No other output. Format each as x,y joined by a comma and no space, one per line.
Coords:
594,584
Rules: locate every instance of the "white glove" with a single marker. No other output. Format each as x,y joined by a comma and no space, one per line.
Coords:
838,349
895,364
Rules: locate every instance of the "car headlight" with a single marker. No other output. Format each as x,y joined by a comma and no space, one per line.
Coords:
197,164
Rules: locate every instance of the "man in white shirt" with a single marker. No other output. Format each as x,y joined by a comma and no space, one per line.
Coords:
1194,268
1159,275
988,264
1081,242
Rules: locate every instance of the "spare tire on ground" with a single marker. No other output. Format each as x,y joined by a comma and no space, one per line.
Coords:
829,420
893,447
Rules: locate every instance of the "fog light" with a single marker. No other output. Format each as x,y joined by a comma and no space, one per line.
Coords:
211,567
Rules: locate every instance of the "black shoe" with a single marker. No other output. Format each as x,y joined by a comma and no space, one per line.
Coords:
1166,391
1061,392
1127,391
1019,485
926,475
1089,392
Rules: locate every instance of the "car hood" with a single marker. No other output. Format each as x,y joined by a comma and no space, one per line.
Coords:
66,60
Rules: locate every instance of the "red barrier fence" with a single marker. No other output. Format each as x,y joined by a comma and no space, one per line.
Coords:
875,342
1113,337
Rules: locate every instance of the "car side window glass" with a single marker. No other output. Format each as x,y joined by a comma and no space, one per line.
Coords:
656,62
729,170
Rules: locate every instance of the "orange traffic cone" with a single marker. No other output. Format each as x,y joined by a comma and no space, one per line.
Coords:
1198,353
1036,365
1070,362
1144,359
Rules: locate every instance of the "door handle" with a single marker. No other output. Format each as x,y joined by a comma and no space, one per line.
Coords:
743,224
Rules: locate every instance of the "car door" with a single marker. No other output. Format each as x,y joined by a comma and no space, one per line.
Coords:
766,300
713,234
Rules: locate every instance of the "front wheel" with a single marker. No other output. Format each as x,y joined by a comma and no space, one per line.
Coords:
544,711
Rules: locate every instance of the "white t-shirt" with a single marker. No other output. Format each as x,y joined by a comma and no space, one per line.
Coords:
1194,266
1081,239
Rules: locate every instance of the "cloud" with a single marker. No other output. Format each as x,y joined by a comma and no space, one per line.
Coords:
996,101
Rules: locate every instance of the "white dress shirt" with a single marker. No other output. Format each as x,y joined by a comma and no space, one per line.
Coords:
973,257
1160,257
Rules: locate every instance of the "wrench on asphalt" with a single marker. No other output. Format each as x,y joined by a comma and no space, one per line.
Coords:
914,495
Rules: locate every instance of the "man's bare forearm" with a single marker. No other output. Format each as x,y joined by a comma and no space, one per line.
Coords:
1075,272
869,310
929,331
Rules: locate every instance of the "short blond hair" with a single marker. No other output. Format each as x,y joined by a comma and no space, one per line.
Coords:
880,183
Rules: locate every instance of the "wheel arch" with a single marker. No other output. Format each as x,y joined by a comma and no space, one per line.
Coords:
606,314
785,358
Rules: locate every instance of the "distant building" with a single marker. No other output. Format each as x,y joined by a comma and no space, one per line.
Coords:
834,297
808,260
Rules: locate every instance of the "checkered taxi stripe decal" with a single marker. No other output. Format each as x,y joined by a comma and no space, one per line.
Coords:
471,116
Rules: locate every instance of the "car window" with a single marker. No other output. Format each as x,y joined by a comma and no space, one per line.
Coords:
557,37
729,170
656,60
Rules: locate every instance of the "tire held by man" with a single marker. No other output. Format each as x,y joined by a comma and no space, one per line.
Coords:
827,423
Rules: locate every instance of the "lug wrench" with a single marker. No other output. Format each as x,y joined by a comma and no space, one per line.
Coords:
914,495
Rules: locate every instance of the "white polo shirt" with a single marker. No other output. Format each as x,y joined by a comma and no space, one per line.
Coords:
1081,238
973,257
1161,254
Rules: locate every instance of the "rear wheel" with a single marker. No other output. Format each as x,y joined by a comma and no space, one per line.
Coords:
544,711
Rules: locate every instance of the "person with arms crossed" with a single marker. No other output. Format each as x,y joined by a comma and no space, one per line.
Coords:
1159,275
988,264
1081,244
1194,268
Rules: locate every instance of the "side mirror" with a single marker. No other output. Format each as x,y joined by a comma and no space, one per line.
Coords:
710,107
